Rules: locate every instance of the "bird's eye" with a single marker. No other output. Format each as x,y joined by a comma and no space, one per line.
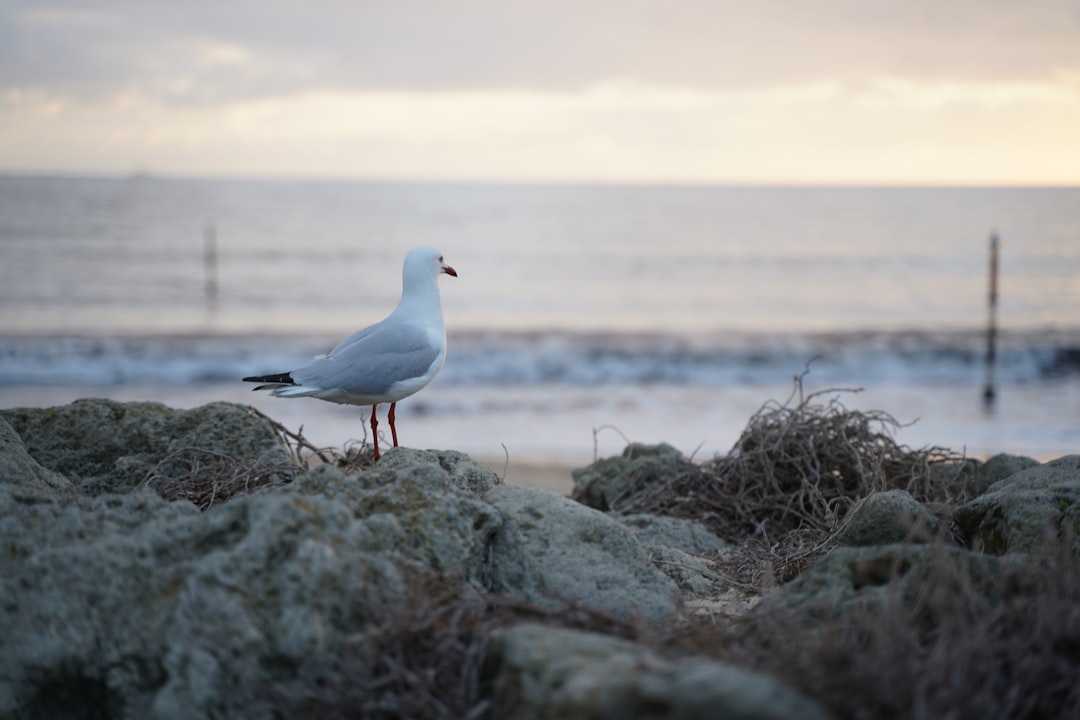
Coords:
440,258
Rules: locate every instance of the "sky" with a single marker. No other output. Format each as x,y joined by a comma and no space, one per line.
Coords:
938,92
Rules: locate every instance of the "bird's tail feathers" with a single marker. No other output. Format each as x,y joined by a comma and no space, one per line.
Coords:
275,383
277,379
286,391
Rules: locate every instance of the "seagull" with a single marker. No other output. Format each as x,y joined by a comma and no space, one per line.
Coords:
384,362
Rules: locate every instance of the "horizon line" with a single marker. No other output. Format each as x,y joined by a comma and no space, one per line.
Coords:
152,175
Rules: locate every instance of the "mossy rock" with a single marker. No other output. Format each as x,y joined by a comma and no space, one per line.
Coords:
108,446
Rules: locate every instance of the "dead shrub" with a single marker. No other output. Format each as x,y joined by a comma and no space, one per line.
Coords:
205,477
800,464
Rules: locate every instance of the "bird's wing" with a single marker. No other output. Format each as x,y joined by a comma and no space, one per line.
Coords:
357,336
371,361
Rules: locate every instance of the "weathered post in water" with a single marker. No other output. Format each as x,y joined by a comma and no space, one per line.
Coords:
989,392
210,283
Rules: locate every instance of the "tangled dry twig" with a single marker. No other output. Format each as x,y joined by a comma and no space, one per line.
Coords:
356,455
205,477
800,464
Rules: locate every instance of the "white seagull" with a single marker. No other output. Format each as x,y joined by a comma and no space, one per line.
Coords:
384,362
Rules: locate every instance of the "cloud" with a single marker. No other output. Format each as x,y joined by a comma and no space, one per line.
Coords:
198,51
963,91
891,131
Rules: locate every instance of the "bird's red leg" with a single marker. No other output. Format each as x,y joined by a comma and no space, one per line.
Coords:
375,431
390,417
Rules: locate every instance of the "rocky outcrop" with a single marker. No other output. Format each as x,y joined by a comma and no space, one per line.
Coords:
888,517
849,578
678,533
1027,511
602,483
464,475
999,467
104,446
551,549
975,476
118,602
543,673
23,474
142,608
681,549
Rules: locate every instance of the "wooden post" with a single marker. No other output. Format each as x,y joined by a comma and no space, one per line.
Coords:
989,393
210,285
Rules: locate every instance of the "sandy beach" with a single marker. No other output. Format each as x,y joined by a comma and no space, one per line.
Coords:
550,475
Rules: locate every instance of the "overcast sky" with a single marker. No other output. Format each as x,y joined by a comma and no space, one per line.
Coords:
852,91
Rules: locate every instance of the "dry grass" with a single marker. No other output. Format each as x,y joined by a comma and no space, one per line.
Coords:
800,464
205,477
354,456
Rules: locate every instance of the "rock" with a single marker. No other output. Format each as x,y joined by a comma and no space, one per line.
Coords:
107,446
463,473
958,474
975,476
152,609
686,535
695,579
1025,511
854,577
677,547
425,513
888,517
550,548
599,485
25,476
423,520
1002,466
541,672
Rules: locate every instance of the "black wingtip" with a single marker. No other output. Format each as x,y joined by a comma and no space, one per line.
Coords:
279,379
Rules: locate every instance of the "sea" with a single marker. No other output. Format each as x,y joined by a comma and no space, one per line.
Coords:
583,317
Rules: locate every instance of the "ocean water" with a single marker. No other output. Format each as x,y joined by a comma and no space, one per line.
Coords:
582,316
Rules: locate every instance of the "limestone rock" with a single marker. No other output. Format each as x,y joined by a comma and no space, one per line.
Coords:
427,515
463,473
1002,466
852,577
888,517
148,608
23,473
551,547
679,549
1024,511
425,521
153,609
695,579
686,535
975,476
107,446
542,673
599,485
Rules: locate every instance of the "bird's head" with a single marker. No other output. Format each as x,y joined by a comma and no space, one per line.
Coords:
426,262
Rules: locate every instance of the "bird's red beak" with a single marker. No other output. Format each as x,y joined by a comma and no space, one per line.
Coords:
449,270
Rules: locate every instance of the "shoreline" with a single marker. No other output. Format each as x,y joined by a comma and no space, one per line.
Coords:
551,475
